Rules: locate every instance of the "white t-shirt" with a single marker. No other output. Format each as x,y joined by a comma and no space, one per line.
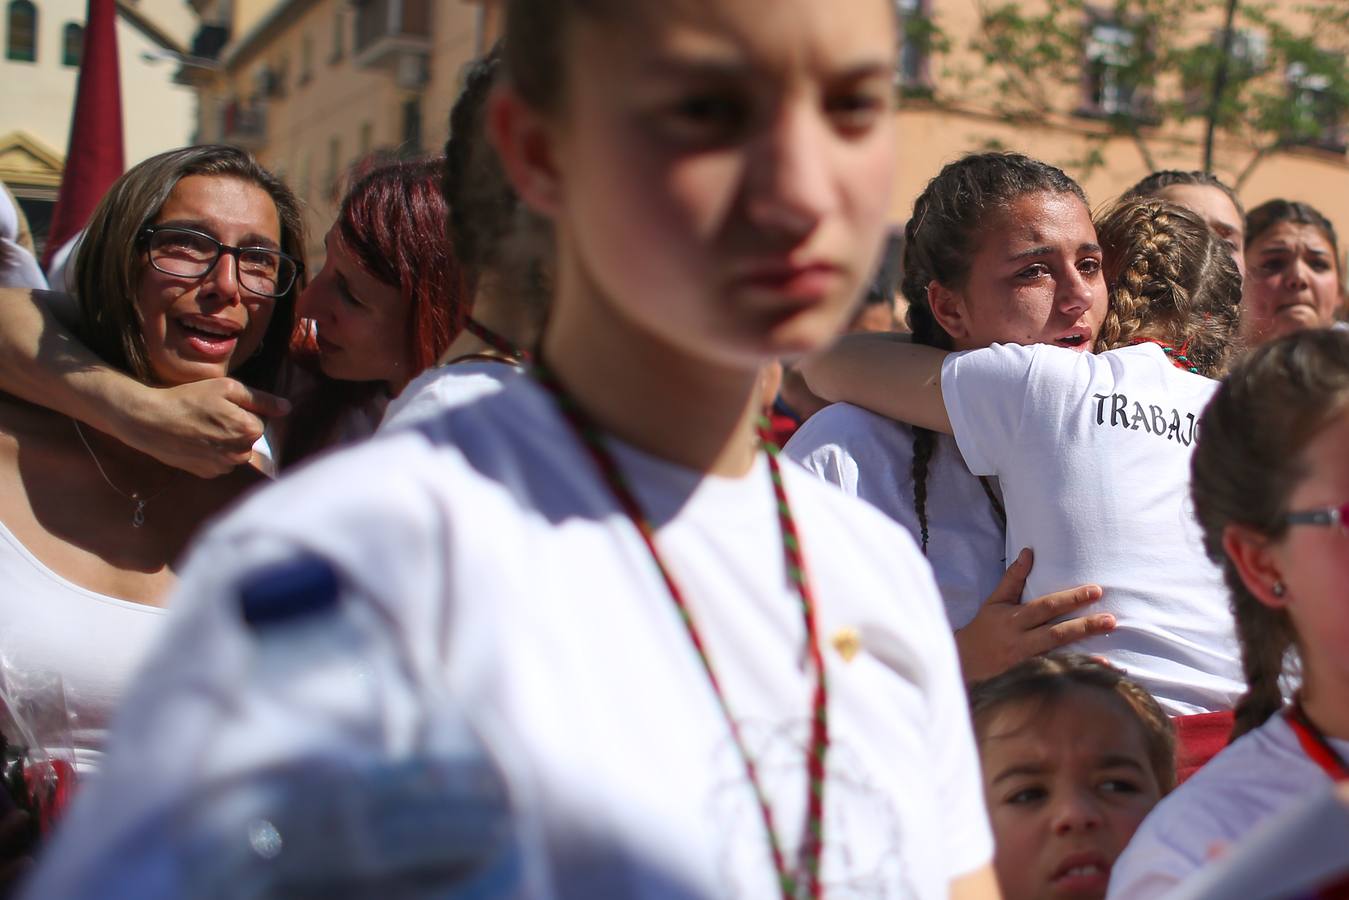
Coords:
446,387
1258,776
94,642
482,551
871,457
1093,455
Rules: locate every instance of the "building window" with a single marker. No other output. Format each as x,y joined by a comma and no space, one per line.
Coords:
1319,120
339,38
72,43
367,139
21,40
306,59
1109,52
915,37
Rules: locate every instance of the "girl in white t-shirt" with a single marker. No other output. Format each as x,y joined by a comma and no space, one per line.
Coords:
1271,478
973,215
1092,450
699,674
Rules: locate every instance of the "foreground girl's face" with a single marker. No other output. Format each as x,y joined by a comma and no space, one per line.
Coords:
1066,787
725,167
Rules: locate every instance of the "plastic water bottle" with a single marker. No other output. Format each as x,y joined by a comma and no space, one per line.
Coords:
408,806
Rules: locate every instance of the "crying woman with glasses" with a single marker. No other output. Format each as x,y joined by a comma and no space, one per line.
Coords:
188,272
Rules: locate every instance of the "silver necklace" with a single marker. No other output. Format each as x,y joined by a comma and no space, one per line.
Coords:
138,514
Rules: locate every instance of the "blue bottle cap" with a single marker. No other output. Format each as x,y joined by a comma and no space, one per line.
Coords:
288,590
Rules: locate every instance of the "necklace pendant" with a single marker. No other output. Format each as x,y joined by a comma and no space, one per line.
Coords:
138,516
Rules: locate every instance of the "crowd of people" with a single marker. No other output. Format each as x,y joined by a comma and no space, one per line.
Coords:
469,564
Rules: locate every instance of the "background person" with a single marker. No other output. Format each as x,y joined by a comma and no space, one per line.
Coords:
1205,195
1271,480
1074,756
1294,279
1092,450
963,293
505,252
185,274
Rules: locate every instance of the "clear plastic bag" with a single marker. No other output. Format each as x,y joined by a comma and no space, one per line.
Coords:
37,750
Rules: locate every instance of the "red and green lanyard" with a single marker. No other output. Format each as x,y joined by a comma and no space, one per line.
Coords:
1315,744
1318,749
804,881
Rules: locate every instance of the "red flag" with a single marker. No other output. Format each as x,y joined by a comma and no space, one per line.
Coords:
94,157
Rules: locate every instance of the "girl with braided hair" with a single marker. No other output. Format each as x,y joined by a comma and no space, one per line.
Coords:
974,216
1270,481
1093,450
1206,195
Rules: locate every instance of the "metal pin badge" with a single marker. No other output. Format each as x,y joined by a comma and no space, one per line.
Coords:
847,642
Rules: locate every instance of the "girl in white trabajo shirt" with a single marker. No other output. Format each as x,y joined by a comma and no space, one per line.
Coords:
1271,490
1093,450
702,675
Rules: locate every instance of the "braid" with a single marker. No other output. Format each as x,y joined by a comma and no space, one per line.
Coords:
1265,636
1172,279
924,446
1247,461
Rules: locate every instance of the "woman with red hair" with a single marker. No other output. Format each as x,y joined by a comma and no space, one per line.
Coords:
386,305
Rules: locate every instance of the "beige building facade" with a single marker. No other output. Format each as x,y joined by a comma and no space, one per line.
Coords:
40,67
313,87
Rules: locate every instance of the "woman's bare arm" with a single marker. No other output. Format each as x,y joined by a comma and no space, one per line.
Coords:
207,427
890,376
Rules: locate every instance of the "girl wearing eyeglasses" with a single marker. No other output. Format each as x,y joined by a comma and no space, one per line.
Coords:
1271,491
187,272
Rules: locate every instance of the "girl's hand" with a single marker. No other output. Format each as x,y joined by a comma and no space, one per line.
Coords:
207,427
1006,631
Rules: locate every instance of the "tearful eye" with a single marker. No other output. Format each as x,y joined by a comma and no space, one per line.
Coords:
1039,270
1089,266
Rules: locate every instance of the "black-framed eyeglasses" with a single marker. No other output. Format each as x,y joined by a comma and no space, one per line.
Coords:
1331,517
187,253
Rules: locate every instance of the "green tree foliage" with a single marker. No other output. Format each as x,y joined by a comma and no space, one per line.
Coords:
1259,76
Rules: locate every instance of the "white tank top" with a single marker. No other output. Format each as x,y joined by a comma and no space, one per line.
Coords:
93,641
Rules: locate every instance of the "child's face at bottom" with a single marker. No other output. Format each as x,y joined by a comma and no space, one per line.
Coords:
1066,785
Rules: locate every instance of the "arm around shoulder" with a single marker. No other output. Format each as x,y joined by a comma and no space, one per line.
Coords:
893,378
206,427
